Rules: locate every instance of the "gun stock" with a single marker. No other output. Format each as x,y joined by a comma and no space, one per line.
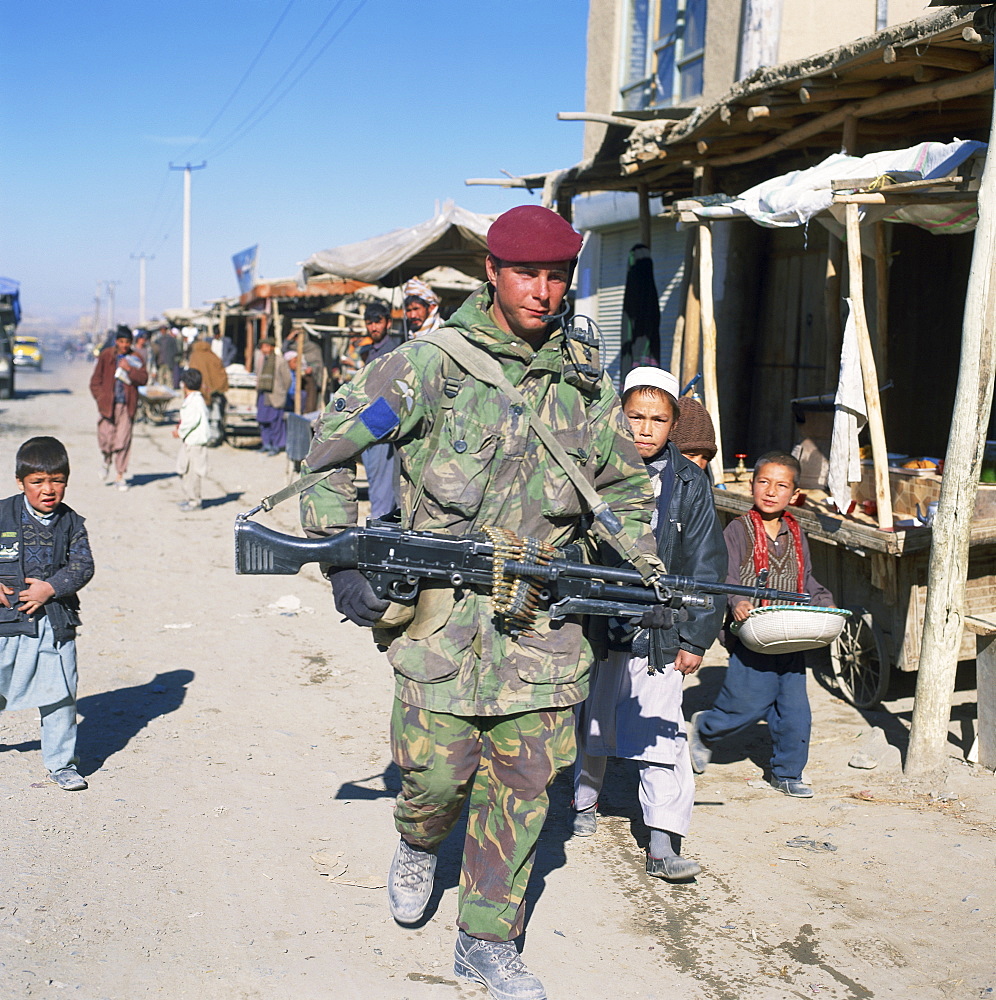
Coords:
263,552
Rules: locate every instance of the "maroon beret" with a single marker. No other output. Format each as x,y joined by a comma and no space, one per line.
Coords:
534,235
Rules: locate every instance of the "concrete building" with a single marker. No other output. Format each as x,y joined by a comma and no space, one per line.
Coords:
660,59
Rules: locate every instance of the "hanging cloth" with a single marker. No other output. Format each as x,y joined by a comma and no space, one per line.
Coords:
641,320
849,417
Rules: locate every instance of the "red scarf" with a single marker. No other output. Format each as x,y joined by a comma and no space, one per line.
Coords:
761,545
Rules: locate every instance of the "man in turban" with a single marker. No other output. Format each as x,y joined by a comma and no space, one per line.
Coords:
480,712
421,308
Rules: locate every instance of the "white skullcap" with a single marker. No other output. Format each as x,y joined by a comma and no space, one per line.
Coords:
657,377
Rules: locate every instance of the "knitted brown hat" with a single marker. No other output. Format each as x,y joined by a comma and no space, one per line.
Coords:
694,430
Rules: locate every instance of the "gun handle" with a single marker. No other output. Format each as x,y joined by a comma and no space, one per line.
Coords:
261,551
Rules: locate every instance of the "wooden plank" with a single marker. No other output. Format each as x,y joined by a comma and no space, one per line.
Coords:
905,198
832,528
980,626
985,670
869,374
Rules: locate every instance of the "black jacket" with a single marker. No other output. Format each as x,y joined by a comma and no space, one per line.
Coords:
689,543
63,608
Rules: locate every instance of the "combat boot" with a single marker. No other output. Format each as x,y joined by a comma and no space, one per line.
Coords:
409,882
498,966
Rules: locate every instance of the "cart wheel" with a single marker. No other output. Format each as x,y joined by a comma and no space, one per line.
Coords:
860,663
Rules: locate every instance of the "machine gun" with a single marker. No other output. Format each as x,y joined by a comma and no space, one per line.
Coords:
522,575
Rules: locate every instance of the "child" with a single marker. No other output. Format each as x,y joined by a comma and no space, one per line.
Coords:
759,685
694,434
194,432
44,560
631,713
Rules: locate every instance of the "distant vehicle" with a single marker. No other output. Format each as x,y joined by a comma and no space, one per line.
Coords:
10,316
27,352
6,367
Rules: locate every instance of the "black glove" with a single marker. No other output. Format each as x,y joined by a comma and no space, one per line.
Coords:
659,616
355,598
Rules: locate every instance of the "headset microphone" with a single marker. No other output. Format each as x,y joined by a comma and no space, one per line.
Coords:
559,314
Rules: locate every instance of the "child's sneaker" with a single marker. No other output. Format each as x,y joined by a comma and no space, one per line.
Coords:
69,779
584,823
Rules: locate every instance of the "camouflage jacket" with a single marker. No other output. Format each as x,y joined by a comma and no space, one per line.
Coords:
468,458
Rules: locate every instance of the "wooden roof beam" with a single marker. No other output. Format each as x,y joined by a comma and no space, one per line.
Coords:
908,97
814,93
934,55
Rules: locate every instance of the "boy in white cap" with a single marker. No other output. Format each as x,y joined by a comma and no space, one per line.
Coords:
630,712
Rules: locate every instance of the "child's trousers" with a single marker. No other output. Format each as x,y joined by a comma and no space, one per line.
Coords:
666,793
772,688
58,735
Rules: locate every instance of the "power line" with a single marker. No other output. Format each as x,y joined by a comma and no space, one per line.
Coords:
250,122
153,214
245,76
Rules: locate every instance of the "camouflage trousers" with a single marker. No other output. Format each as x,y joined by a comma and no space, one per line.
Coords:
505,765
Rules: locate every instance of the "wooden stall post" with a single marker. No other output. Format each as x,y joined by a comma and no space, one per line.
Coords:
299,377
691,337
278,326
222,318
869,374
952,528
644,197
677,343
250,343
881,300
709,382
831,307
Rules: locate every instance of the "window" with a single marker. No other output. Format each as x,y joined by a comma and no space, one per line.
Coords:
663,67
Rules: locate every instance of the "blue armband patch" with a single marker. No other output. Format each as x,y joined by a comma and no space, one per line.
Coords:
379,418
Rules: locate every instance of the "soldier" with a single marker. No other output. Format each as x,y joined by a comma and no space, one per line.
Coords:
478,711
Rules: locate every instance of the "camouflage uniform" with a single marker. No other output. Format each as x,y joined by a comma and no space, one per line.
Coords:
477,710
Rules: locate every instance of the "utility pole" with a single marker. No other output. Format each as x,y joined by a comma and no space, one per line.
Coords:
141,258
186,227
111,285
96,311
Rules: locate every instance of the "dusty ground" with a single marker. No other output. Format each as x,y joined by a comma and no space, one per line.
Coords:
237,829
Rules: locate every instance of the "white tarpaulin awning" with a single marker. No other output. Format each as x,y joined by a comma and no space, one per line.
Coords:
453,238
794,198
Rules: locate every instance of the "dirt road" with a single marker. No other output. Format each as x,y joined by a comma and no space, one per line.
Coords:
236,833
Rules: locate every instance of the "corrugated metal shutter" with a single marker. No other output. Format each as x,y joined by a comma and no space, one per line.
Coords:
669,265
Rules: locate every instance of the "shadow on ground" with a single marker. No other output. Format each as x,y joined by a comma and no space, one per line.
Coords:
221,501
112,718
144,478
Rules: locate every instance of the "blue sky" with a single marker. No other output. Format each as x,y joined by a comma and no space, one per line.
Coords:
97,98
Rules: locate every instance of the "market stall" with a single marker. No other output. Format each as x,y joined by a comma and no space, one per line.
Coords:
871,509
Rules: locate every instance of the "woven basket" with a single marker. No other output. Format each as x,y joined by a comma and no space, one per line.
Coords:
788,628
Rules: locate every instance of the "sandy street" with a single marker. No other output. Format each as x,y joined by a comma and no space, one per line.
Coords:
235,837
